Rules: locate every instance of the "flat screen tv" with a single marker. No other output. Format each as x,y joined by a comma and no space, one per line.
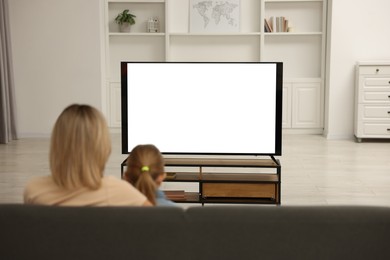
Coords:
203,108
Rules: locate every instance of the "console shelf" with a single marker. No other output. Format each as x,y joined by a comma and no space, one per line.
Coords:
233,186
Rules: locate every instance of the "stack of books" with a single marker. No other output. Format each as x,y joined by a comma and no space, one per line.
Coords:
276,24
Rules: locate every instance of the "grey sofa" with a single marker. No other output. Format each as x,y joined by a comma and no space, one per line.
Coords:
210,232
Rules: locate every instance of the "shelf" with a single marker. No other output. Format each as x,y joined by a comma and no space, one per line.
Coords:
193,197
190,197
298,13
293,33
218,177
136,34
290,1
136,1
183,177
215,34
239,177
206,162
239,201
143,10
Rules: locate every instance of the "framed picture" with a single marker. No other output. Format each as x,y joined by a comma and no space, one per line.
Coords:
214,16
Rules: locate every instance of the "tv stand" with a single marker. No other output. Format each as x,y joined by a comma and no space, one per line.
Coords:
262,185
273,159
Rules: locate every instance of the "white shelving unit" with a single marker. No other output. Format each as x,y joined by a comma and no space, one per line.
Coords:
302,50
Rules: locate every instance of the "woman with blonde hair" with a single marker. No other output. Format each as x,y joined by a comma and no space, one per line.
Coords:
80,147
145,170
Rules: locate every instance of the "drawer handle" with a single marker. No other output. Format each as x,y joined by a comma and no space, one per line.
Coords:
377,70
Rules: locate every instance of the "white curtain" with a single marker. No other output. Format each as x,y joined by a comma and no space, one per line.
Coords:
7,90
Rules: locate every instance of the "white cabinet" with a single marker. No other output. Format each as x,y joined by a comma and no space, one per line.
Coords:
304,105
287,100
302,50
115,105
372,100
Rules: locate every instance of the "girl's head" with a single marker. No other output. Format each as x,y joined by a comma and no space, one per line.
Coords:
80,147
145,170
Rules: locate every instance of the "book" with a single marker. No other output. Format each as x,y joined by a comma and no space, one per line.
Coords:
170,176
267,26
175,194
272,23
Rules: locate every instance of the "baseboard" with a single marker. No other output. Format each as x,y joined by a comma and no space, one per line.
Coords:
339,137
303,131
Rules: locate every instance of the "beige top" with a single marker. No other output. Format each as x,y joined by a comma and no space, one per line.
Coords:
113,192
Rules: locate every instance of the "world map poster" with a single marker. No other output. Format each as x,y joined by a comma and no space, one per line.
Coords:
214,16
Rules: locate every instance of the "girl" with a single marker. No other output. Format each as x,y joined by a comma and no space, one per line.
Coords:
145,170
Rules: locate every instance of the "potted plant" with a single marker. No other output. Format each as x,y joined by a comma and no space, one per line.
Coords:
125,20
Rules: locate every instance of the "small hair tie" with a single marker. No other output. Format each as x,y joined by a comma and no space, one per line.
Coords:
145,169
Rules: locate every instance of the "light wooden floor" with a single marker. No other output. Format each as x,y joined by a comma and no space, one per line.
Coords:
315,171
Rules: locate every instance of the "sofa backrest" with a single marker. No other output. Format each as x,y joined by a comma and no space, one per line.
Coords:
282,232
42,232
210,232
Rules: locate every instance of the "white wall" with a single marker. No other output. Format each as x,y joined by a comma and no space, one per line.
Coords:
360,30
57,59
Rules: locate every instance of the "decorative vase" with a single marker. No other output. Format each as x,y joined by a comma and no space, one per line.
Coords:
125,27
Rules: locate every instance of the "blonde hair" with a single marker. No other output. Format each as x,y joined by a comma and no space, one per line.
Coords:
144,165
80,147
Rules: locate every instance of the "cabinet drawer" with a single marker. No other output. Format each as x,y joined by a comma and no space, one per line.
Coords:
374,70
377,97
377,112
239,190
376,82
376,129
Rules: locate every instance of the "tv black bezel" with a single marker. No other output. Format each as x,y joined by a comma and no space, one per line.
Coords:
278,108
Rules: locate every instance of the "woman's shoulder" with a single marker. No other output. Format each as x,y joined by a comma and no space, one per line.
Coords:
110,180
122,190
40,180
37,186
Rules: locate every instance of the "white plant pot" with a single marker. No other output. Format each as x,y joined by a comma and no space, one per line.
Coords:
124,27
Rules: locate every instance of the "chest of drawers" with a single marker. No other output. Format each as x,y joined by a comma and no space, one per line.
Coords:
372,100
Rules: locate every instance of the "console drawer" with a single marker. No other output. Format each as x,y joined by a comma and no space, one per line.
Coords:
379,129
376,112
239,190
376,82
370,96
374,70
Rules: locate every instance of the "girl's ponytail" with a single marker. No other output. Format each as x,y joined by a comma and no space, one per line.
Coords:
146,185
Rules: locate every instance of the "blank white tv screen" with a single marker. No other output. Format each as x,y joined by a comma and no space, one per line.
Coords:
217,108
